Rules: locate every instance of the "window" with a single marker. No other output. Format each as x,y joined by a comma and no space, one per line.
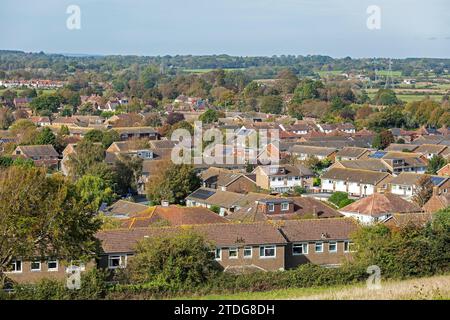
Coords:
248,251
299,249
218,254
267,252
319,247
15,266
119,261
233,253
348,246
52,265
285,206
35,266
271,207
332,246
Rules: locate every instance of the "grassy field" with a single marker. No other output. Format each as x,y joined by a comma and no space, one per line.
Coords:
332,72
431,288
38,90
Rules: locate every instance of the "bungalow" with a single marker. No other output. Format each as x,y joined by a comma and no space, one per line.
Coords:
405,184
378,207
360,183
444,171
41,121
127,133
431,150
290,208
352,153
42,155
303,152
364,164
437,202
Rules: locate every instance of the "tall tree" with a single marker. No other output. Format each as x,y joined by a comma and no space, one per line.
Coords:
424,190
42,217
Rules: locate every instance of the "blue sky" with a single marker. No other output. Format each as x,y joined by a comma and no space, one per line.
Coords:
409,28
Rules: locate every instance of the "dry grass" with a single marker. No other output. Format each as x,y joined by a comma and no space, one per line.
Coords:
431,288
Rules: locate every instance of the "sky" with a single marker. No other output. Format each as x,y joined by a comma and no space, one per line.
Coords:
338,28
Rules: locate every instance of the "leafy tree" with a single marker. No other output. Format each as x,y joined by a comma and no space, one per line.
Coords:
46,102
174,117
94,135
383,139
436,163
94,190
340,199
46,136
86,156
271,104
306,90
185,258
25,130
209,116
173,182
42,216
127,171
424,190
6,118
386,97
109,137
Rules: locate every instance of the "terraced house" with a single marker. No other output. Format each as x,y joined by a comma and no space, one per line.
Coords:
359,183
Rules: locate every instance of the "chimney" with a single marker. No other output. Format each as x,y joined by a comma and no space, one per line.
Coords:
315,212
435,191
164,203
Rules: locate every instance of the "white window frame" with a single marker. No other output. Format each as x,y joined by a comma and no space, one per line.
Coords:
347,245
234,249
14,263
271,207
52,269
122,261
218,257
335,244
303,245
35,270
315,247
251,252
264,250
283,204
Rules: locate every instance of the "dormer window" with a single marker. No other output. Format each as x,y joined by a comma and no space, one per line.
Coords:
285,206
271,207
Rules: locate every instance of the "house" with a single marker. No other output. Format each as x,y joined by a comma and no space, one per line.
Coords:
405,184
378,207
290,208
300,127
21,102
398,162
257,246
41,121
127,133
262,246
324,242
360,183
377,165
437,202
303,152
42,155
431,150
352,153
226,201
123,209
400,221
401,147
171,215
444,171
228,180
283,178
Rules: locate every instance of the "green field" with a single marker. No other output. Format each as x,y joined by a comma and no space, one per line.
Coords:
21,90
332,72
436,287
386,73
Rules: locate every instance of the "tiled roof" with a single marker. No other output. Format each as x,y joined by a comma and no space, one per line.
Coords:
39,151
223,234
380,204
318,229
354,175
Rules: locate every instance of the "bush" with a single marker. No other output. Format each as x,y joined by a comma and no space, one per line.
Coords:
178,259
340,199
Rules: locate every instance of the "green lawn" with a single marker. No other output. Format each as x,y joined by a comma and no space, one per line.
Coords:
412,97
